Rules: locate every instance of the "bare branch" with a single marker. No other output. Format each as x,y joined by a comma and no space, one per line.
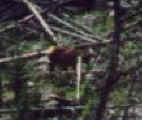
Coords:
32,7
78,70
25,56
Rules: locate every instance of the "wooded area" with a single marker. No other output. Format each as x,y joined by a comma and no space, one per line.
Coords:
70,59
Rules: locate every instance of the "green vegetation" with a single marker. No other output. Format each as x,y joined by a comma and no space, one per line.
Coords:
27,84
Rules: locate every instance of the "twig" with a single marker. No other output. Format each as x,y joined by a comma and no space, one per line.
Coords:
78,70
80,37
81,29
25,56
12,25
131,25
31,6
80,26
69,25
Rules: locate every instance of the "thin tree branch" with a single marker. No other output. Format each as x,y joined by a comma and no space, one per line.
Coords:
25,56
32,7
75,27
78,70
81,37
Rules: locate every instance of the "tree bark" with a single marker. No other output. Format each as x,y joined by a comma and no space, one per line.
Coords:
113,76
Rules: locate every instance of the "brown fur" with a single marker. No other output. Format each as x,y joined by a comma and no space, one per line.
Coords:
63,57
